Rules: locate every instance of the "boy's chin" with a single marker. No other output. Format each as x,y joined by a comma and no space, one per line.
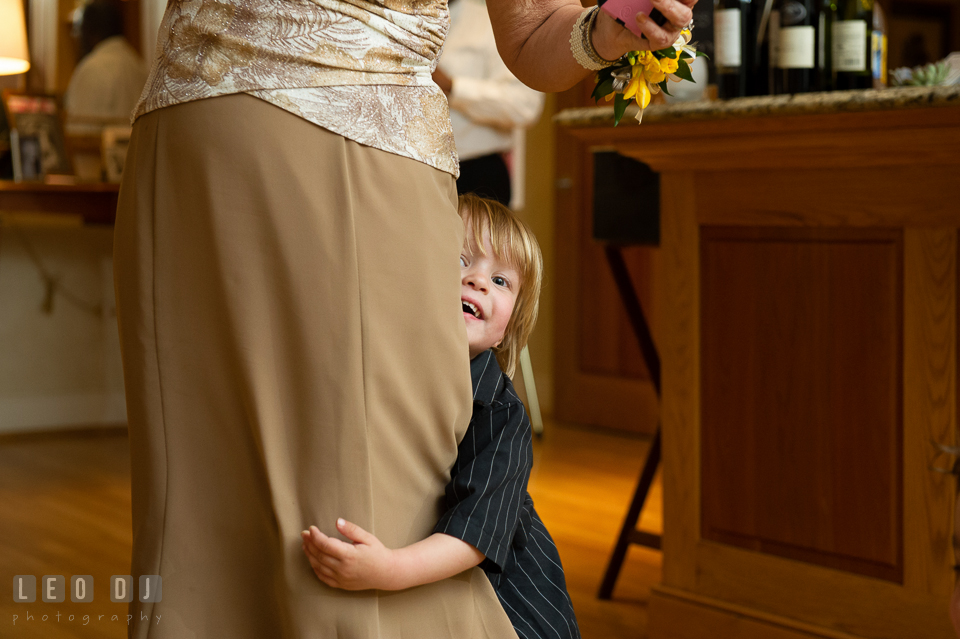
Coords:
478,349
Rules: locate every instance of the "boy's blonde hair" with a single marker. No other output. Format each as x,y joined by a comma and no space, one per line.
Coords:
514,243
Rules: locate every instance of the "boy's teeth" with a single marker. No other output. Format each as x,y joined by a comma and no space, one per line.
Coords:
473,309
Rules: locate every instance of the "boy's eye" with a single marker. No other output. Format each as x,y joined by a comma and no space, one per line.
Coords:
463,262
499,281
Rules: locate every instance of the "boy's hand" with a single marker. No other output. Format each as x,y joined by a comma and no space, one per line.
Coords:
364,564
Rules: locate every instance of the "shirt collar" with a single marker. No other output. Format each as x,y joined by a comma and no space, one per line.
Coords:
487,377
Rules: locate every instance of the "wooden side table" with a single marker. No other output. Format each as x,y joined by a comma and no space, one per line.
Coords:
38,203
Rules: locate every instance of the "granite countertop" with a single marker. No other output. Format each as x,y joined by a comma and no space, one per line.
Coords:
799,104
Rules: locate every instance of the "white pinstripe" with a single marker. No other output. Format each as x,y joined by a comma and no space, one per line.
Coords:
487,485
545,598
510,472
519,616
534,608
541,548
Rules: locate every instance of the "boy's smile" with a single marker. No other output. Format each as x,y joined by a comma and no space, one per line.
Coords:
488,293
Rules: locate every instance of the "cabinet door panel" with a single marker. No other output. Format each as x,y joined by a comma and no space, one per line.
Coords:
801,424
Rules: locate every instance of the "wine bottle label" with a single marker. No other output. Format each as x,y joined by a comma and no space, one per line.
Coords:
727,37
850,45
878,54
797,47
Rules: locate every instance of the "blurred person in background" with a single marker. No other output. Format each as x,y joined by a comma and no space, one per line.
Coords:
110,76
487,103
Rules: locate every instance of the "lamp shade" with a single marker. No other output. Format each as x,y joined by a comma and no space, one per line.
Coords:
14,57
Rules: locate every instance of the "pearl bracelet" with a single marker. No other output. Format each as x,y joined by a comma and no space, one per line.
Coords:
581,42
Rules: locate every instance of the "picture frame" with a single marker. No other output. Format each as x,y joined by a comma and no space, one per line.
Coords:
37,115
114,143
27,156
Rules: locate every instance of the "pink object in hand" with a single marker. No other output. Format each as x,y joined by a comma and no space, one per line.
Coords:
625,12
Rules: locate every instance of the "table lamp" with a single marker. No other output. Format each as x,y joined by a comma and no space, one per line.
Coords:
14,57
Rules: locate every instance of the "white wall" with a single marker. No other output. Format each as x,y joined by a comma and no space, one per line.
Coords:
60,369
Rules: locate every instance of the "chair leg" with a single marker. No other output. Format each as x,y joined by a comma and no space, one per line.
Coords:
531,387
638,321
628,532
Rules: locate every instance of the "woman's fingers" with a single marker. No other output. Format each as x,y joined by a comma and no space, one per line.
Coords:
678,13
611,40
658,37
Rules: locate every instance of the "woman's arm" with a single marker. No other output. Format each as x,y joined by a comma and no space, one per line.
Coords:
533,37
368,564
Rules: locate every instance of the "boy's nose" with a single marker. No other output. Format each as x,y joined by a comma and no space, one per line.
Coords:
476,281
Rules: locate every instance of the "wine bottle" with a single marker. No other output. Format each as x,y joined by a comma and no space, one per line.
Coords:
730,37
878,47
795,23
828,9
851,33
759,81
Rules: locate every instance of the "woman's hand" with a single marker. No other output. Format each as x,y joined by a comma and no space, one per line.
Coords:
363,565
533,37
612,40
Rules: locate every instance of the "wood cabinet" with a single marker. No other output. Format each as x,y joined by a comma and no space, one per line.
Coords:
806,303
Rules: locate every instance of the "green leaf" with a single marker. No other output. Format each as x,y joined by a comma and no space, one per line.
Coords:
604,83
663,87
669,52
619,107
683,71
603,89
701,54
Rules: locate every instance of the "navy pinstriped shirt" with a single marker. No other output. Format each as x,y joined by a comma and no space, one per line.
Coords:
488,507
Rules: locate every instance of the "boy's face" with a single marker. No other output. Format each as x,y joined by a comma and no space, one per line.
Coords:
488,293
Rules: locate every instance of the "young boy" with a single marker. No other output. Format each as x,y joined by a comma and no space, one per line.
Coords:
490,520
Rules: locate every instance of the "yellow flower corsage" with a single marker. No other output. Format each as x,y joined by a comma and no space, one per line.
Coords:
639,75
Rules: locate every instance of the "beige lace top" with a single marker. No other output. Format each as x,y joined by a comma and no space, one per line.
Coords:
360,68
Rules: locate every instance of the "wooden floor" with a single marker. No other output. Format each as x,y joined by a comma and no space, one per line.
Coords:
65,510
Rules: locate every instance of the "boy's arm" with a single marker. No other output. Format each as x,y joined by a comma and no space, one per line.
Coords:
368,564
488,483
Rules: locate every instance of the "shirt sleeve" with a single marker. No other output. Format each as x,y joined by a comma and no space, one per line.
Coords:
489,481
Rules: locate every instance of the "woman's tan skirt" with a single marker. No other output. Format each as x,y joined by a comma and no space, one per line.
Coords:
294,351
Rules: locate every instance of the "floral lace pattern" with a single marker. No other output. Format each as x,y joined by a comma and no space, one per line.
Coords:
410,121
360,68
